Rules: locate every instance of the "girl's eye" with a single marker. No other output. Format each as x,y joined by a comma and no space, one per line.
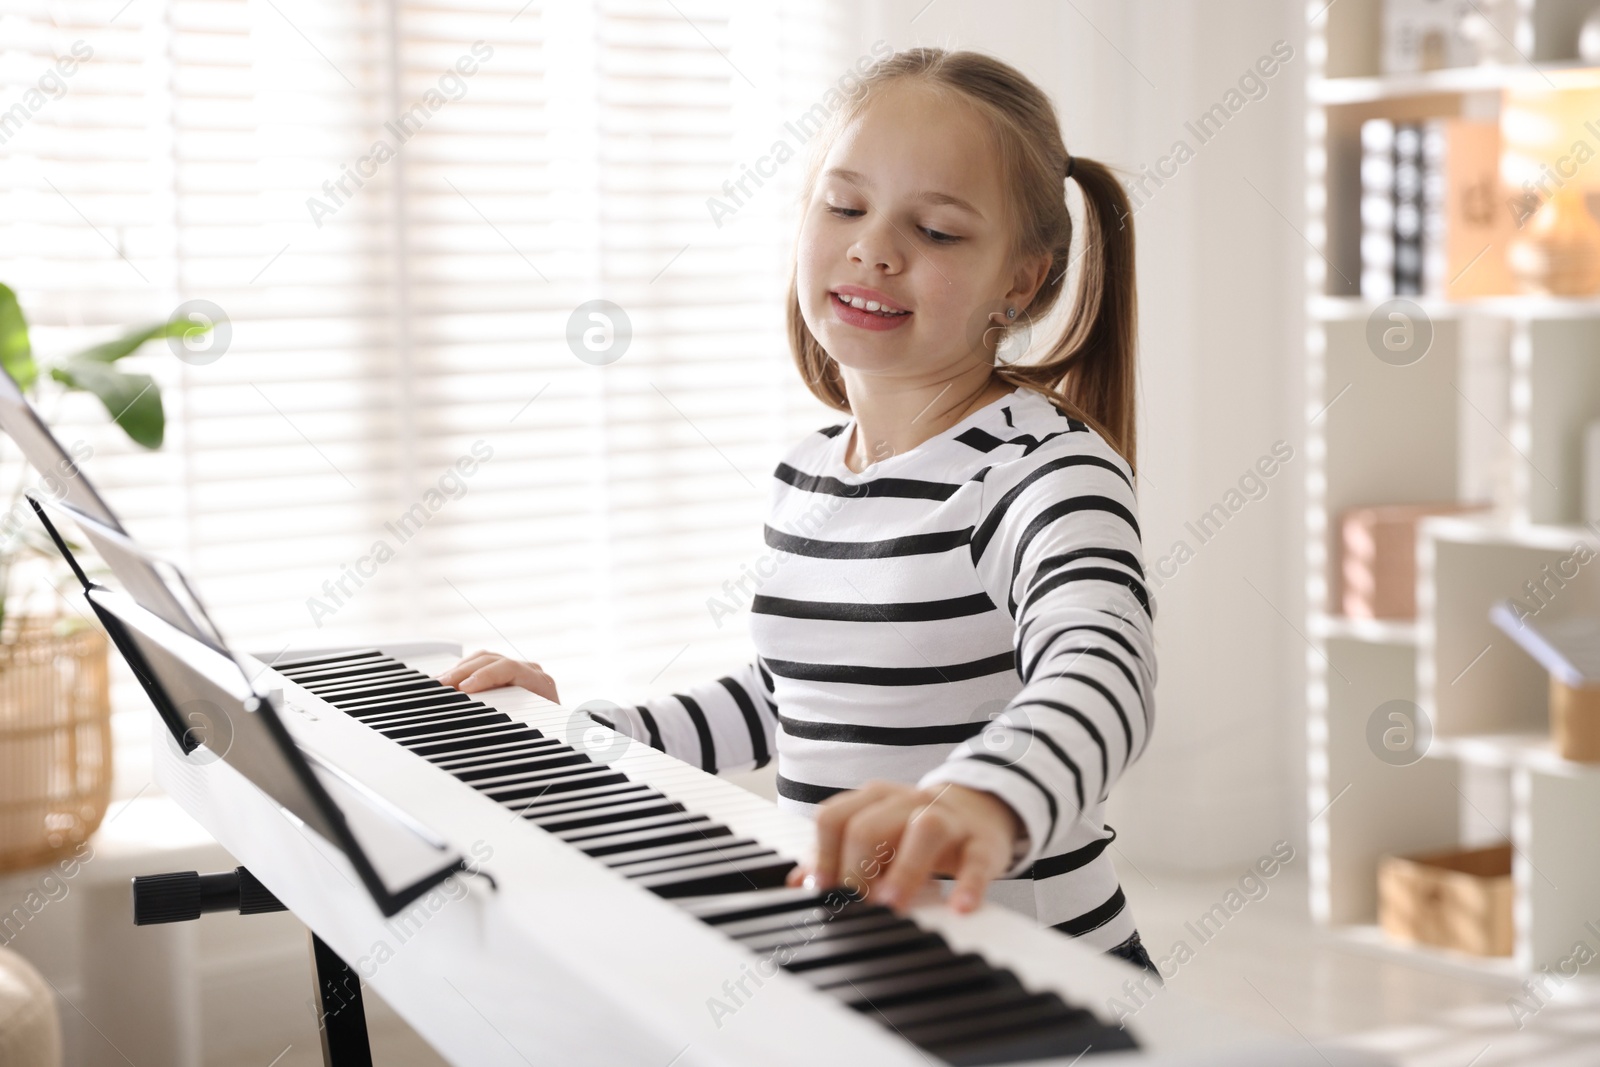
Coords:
940,238
845,212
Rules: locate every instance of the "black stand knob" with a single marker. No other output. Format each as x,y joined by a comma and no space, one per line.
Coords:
186,895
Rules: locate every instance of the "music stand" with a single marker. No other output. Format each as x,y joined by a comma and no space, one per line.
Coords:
203,692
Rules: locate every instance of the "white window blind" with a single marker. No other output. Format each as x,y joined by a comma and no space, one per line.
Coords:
399,206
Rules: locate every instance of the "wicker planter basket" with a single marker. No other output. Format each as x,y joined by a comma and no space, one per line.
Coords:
55,740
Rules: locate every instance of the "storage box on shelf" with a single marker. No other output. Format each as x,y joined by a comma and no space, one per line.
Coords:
1492,409
1458,899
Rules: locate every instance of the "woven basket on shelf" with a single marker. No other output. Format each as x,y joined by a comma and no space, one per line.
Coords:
55,740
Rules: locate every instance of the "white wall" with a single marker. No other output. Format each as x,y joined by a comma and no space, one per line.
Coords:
1220,290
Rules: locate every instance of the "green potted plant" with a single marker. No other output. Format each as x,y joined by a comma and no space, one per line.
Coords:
55,716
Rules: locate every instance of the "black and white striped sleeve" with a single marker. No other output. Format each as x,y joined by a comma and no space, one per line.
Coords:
1057,544
720,726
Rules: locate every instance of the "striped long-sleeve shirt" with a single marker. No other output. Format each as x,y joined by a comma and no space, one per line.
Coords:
973,610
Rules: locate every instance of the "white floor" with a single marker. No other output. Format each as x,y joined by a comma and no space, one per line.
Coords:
1269,965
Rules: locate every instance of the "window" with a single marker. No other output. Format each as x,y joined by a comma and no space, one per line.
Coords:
401,209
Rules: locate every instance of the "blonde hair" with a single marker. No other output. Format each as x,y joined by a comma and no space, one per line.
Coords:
1090,370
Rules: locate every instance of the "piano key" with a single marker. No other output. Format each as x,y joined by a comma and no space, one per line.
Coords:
354,698
549,786
609,814
717,910
1043,1009
502,770
821,930
640,834
310,669
882,966
577,802
531,807
328,688
367,714
794,920
314,679
652,822
753,850
960,974
473,741
683,849
648,839
318,658
901,937
451,761
719,877
427,729
952,1005
412,716
1040,1042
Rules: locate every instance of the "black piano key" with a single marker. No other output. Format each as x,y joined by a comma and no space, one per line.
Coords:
716,911
1031,1011
511,769
946,1006
361,669
651,822
820,930
505,786
621,861
794,920
422,715
607,815
306,663
882,966
427,729
583,801
390,707
726,854
552,786
447,732
644,835
355,698
902,937
488,753
719,878
708,829
532,806
472,741
752,905
966,974
330,686
1040,1040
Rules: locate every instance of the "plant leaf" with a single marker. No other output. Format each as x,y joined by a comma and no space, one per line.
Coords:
131,341
132,400
16,354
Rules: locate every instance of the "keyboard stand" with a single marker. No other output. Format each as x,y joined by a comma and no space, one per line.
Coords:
185,895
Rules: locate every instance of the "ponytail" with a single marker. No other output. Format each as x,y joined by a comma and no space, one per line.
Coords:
1091,370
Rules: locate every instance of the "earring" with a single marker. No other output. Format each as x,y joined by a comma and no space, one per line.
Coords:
1011,313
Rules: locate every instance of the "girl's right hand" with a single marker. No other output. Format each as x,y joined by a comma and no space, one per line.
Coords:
490,670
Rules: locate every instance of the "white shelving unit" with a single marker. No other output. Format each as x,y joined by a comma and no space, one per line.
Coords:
1493,413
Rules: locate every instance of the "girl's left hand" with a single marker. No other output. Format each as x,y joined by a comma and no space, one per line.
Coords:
890,837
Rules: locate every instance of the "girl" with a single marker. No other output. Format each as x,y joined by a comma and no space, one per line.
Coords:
955,651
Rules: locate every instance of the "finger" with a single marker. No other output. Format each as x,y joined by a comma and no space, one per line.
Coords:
797,875
832,815
871,840
492,676
464,668
983,859
931,832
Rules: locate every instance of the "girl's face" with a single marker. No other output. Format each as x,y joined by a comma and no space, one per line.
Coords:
909,212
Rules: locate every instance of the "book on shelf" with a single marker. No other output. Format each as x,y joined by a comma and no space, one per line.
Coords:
1431,221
